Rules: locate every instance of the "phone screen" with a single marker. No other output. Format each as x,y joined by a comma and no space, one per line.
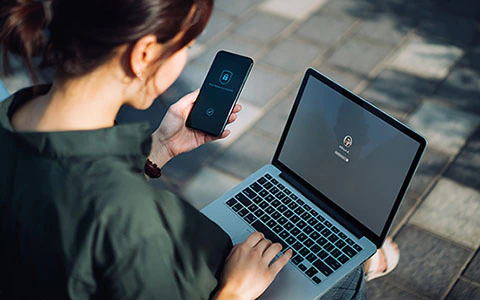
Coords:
219,92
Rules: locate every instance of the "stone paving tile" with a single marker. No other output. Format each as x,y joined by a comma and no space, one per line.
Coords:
464,290
384,29
431,165
218,24
355,8
246,155
264,84
427,264
236,8
245,119
305,53
466,168
359,55
206,186
273,122
473,270
313,28
262,27
296,10
397,91
192,77
446,28
445,128
461,90
228,43
381,289
426,59
195,51
346,78
451,210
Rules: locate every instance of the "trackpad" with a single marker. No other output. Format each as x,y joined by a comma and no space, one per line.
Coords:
241,236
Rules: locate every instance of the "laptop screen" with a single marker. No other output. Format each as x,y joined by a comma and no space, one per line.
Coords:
353,157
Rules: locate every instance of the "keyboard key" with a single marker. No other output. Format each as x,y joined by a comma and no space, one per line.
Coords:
263,193
256,187
332,263
282,220
314,236
293,206
262,180
342,235
319,227
311,257
308,229
252,207
290,240
299,211
295,231
323,254
268,233
259,213
288,226
277,228
308,242
322,241
231,202
311,272
307,207
268,185
350,242
286,200
287,191
300,202
263,205
326,232
276,203
271,223
336,253
302,267
357,247
304,251
314,213
294,219
328,224
250,218
315,248
243,212
280,186
333,238
282,208
288,213
237,207
323,268
297,259
335,229
280,195
249,193
321,218
243,199
274,181
349,251
316,279
340,244
257,199
276,215
301,224
306,216
269,210
265,218
302,237
312,221
297,246
268,176
274,190
328,247
284,234
343,258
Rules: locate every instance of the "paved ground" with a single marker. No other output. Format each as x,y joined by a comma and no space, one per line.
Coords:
418,60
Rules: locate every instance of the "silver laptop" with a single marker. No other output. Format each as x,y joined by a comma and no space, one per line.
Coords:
337,178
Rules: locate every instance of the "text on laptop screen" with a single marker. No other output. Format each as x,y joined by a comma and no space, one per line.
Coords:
348,154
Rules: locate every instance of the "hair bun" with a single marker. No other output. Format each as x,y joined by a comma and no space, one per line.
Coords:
22,23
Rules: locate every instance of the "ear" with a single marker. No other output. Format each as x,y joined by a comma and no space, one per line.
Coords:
143,53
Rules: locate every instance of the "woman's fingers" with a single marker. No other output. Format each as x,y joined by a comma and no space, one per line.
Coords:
232,118
278,265
237,108
253,239
271,252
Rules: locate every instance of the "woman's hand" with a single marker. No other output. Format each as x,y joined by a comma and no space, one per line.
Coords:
248,272
172,136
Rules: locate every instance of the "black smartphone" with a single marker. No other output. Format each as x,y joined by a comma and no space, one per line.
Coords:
219,92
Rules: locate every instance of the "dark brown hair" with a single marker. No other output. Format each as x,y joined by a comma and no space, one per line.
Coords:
83,34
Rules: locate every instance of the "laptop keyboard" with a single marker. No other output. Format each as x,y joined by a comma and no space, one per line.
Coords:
271,208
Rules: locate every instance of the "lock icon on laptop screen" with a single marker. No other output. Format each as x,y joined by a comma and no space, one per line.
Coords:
226,76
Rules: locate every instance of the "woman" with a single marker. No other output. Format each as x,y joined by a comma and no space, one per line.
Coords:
77,216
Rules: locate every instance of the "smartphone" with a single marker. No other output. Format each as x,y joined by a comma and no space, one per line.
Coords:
219,92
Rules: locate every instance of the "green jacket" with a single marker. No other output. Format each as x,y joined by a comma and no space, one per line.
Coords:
79,220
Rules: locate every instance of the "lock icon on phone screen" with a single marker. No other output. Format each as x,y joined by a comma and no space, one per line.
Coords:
226,76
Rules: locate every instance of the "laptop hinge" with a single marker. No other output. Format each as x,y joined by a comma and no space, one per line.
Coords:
323,205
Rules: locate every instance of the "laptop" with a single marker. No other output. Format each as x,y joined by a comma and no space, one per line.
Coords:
331,192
